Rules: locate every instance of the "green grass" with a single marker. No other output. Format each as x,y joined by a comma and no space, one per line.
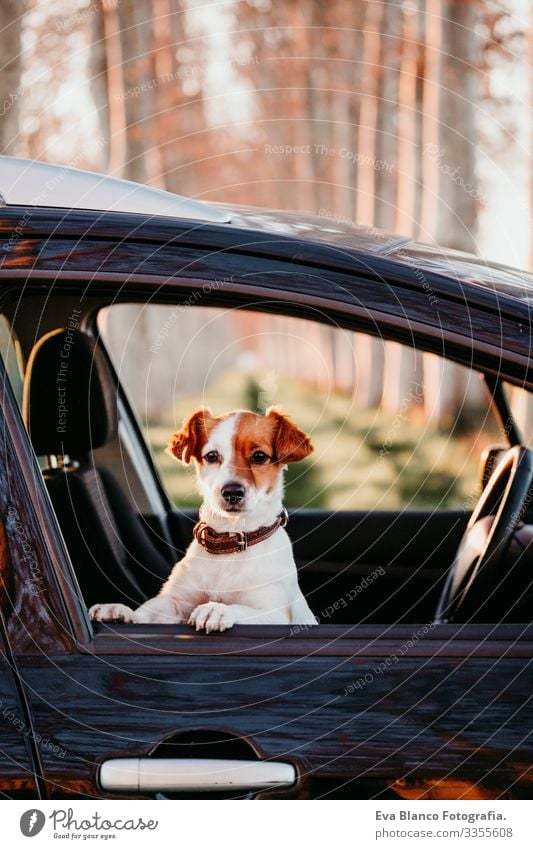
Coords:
363,459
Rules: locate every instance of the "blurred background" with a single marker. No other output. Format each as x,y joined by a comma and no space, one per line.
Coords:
409,115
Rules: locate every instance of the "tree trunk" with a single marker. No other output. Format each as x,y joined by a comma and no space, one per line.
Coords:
456,153
403,380
368,115
407,124
110,27
136,43
11,90
427,225
99,85
345,61
530,56
369,364
387,141
165,95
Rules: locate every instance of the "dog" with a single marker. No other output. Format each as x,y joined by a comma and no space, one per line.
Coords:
239,568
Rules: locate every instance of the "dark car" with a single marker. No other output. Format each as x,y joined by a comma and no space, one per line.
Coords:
417,681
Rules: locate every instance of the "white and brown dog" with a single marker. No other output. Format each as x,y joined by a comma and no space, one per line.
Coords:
239,568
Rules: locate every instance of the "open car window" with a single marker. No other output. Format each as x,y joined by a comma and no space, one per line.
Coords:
377,511
393,428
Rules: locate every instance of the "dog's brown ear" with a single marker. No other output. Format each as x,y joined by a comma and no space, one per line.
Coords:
291,443
187,443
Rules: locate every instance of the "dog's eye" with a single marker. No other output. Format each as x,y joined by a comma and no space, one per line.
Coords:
211,457
259,458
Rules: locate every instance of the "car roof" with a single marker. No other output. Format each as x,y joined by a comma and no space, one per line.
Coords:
27,183
346,235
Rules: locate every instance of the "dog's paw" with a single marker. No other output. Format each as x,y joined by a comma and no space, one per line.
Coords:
111,613
213,616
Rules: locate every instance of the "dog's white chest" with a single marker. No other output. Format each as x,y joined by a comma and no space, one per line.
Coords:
226,577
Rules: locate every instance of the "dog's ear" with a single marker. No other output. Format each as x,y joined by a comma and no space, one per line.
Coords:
187,443
290,443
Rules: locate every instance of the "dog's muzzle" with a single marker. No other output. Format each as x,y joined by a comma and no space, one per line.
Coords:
233,494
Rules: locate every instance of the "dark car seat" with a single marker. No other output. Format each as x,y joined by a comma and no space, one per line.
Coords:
70,408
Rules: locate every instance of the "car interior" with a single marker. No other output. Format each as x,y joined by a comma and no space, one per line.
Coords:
123,532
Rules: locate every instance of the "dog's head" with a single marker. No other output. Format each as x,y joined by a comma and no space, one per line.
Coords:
240,457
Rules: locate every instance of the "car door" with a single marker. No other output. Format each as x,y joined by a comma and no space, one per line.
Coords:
354,713
411,710
328,711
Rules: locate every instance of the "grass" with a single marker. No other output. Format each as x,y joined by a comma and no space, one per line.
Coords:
363,459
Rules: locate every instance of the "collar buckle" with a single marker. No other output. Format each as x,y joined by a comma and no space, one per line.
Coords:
242,542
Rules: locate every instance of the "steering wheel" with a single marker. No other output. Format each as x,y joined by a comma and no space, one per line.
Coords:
476,571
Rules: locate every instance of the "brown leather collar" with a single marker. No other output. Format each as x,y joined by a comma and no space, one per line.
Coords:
216,542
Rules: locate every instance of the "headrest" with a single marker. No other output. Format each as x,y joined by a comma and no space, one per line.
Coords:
69,401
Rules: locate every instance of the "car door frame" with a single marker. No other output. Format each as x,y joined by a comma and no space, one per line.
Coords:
73,644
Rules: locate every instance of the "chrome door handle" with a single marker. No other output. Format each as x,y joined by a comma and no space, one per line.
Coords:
187,775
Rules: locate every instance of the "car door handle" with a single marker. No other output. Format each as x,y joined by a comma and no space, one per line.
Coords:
171,775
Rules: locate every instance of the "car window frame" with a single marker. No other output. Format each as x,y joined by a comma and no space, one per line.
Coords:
183,285
143,449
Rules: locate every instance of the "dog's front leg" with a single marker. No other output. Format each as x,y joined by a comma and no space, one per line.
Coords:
162,609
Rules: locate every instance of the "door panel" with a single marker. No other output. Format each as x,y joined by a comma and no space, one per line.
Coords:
371,708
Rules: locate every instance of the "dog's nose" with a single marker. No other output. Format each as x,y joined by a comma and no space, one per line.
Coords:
233,493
